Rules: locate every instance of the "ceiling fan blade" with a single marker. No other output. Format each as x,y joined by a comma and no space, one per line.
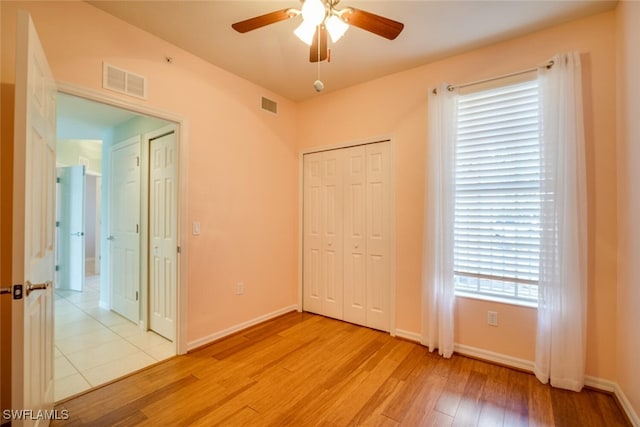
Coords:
319,45
384,27
262,20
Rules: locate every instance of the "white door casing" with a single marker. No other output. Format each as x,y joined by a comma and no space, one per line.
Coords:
163,235
124,228
33,227
181,126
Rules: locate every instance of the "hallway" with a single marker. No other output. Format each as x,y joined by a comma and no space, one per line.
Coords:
94,346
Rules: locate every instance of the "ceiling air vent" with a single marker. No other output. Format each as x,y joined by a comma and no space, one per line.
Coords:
123,81
269,105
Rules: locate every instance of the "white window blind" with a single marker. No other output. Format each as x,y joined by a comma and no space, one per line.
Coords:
497,208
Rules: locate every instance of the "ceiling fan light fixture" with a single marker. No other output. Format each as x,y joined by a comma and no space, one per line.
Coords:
336,28
313,12
305,32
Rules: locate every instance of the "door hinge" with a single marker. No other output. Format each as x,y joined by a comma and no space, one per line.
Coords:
137,161
178,249
137,228
136,295
58,180
57,224
57,268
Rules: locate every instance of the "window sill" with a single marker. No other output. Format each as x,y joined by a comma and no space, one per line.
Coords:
497,299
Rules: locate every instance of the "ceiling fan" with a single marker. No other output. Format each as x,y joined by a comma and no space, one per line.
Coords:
322,18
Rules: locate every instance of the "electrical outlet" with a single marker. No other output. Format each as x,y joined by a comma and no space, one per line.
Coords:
239,288
492,318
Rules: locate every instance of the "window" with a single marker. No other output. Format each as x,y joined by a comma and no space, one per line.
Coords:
497,202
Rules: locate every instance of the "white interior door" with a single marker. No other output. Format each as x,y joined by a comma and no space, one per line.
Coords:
312,249
332,234
124,228
323,240
33,226
71,227
98,226
163,235
378,230
347,234
355,282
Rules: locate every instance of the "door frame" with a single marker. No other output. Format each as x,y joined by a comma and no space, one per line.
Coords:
392,216
182,140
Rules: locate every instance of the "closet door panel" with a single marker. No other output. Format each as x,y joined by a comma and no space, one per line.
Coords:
346,241
312,237
354,236
332,234
378,235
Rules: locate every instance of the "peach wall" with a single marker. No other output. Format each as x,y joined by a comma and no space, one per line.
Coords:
396,105
243,176
242,167
628,351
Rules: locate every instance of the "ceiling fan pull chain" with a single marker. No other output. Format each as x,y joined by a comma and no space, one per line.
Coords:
318,85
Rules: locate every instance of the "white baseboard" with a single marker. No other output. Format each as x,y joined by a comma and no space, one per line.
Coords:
614,388
600,384
465,350
527,365
626,406
490,356
221,334
407,335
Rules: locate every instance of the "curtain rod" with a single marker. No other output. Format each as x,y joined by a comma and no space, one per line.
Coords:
451,88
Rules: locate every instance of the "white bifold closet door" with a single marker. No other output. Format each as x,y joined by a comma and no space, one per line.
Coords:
346,248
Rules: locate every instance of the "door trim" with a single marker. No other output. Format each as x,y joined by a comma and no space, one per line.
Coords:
181,125
392,216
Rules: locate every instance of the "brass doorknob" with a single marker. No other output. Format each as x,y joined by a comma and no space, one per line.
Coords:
30,287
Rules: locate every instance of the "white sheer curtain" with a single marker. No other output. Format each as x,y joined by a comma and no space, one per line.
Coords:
438,295
561,332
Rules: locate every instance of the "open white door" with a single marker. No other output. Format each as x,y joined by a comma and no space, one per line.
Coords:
124,228
163,274
33,230
71,227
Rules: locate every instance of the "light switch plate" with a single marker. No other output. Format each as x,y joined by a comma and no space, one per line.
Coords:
196,228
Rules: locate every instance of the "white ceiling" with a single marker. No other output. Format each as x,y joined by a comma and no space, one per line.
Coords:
274,58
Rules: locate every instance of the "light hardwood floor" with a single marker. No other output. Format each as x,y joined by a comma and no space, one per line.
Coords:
303,370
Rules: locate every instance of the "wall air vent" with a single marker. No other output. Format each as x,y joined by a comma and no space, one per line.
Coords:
119,80
269,105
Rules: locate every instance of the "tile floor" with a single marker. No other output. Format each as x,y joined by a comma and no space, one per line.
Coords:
94,345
